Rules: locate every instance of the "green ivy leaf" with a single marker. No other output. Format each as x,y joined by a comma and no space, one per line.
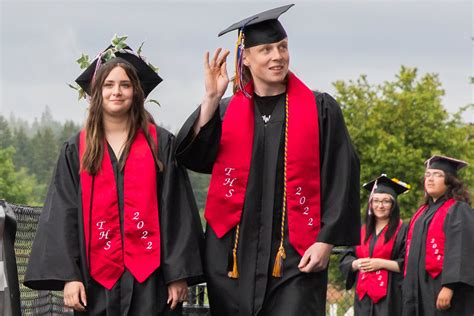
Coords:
153,101
83,61
82,94
108,55
119,41
139,50
155,69
76,87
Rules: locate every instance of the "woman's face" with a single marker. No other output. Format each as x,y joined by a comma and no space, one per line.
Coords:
268,63
381,205
117,93
434,183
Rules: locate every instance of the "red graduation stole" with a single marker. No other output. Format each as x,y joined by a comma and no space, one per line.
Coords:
230,172
435,238
139,250
375,284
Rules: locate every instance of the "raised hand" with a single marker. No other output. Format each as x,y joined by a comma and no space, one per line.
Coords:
216,82
216,79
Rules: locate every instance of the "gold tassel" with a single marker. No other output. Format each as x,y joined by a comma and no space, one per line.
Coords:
278,267
234,274
281,255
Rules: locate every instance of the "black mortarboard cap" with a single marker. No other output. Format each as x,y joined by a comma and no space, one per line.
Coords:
261,28
384,184
149,79
447,164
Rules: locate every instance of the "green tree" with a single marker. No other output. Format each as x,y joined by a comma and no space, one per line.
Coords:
67,131
15,186
23,150
5,133
44,154
397,125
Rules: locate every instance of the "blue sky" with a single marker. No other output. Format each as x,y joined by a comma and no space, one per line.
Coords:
329,41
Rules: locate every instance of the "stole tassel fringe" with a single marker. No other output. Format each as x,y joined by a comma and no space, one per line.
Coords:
278,267
234,274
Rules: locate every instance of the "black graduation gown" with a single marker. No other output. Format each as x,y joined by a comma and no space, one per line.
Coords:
420,291
58,252
256,291
391,305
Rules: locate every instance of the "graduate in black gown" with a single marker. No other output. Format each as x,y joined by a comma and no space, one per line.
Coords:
284,188
119,232
376,266
439,271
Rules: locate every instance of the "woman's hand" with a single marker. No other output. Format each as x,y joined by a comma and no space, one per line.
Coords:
444,299
356,265
75,295
177,293
370,264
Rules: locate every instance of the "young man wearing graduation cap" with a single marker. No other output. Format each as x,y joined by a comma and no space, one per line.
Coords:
285,178
439,274
376,266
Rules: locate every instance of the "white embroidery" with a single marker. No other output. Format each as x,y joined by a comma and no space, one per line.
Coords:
104,235
266,118
228,171
100,224
108,245
229,181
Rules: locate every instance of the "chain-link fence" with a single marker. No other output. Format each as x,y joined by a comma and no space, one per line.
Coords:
339,301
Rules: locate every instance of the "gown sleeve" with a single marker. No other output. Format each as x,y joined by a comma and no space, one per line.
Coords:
399,251
340,202
345,266
199,152
55,254
181,230
459,246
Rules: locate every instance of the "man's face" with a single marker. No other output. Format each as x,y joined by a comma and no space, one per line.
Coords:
268,63
435,182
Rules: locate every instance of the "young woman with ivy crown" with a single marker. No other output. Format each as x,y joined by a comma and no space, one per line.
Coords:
119,232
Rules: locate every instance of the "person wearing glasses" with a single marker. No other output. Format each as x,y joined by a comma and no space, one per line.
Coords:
439,273
376,265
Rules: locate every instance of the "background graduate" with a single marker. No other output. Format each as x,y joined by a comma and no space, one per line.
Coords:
440,245
119,231
376,266
285,178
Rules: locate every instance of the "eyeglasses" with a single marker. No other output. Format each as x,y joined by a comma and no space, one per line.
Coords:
435,174
383,202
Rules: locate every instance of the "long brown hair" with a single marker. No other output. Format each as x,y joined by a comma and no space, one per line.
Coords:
457,189
139,118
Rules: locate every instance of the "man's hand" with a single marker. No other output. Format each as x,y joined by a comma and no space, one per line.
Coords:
315,258
74,294
444,299
216,79
177,293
